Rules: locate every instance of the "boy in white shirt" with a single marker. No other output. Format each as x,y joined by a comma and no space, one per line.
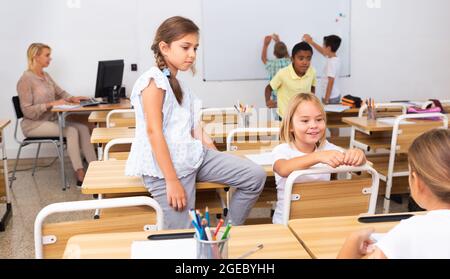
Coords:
329,83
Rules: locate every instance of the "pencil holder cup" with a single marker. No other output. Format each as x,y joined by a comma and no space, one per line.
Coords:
371,114
244,119
212,249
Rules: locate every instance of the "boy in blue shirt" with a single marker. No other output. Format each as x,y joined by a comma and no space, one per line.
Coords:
274,65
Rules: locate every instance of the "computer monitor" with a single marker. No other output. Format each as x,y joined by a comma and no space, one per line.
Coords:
109,74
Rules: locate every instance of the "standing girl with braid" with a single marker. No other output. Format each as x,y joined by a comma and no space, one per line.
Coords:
170,150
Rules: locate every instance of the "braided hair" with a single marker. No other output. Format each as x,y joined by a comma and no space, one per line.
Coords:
171,30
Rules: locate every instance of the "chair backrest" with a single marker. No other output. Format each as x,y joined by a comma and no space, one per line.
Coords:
330,198
114,142
50,240
127,118
385,109
252,138
17,109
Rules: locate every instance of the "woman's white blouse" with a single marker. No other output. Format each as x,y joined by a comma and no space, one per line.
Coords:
178,121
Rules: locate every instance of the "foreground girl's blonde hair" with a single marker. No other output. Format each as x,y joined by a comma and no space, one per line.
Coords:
429,158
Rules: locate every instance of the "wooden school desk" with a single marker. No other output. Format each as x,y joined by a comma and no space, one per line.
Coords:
5,195
218,131
323,237
63,112
125,119
334,119
375,134
371,135
219,115
128,119
278,241
105,135
108,177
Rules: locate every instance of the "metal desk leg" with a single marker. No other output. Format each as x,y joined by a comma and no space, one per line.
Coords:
97,211
4,219
99,147
61,116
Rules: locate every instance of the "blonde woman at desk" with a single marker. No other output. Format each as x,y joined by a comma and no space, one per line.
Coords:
38,93
421,236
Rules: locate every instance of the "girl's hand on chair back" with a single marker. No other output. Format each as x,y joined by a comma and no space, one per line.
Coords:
333,158
354,157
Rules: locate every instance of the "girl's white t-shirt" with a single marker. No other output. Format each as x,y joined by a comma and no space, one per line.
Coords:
286,151
419,237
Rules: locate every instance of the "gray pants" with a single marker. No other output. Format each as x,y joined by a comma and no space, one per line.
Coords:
245,176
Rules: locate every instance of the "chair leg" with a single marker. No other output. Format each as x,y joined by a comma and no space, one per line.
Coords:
13,176
35,159
223,203
387,195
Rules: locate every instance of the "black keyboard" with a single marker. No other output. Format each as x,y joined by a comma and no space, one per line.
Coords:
90,102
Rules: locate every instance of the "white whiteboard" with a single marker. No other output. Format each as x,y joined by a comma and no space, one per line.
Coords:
233,31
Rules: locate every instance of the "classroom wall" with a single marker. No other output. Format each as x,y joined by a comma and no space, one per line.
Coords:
398,51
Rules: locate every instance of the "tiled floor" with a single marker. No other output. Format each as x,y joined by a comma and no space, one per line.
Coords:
30,194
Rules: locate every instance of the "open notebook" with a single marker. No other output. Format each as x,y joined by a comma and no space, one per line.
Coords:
164,249
336,108
66,106
391,121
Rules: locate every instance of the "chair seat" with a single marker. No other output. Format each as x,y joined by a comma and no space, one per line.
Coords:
42,138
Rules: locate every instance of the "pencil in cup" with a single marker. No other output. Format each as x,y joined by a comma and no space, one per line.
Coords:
213,249
371,112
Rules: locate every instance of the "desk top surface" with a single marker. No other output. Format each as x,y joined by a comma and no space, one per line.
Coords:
219,130
376,125
324,237
103,177
214,130
105,135
278,242
369,125
100,116
124,104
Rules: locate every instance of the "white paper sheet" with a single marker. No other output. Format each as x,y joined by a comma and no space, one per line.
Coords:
391,121
66,106
336,108
261,159
164,249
